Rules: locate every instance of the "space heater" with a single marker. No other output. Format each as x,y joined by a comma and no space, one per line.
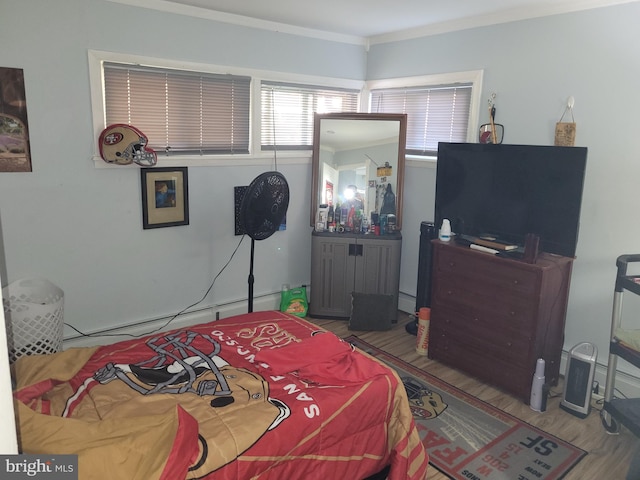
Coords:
578,379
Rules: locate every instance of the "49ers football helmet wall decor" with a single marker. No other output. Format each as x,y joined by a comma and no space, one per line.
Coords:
123,144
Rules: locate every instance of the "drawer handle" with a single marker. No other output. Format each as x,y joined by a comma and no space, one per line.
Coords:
509,344
516,282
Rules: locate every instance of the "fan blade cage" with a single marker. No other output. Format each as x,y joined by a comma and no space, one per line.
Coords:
264,205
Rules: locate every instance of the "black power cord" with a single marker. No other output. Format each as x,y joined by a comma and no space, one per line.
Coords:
130,335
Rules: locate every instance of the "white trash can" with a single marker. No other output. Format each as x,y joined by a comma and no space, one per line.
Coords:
34,317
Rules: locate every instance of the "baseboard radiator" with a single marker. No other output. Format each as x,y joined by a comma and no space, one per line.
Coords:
626,383
203,315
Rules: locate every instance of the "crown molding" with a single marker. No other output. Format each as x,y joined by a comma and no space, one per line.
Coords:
505,16
240,20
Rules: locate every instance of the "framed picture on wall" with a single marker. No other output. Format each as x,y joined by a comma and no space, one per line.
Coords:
165,197
328,192
14,128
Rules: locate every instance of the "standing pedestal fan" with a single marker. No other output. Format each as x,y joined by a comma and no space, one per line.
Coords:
262,210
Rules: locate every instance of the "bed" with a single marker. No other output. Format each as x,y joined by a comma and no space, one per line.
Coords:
264,395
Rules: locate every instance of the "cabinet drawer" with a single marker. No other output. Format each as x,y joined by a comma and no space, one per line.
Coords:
473,359
485,273
510,331
494,307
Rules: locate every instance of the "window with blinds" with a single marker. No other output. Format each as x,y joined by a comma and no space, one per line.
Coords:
181,112
434,114
288,110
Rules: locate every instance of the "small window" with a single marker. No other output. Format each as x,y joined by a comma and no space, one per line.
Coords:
434,114
288,110
181,112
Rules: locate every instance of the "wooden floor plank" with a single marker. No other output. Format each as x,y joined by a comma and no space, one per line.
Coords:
608,455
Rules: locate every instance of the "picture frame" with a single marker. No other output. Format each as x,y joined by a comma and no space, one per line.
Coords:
15,155
165,197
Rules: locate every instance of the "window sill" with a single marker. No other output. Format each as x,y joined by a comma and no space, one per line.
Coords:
289,158
422,162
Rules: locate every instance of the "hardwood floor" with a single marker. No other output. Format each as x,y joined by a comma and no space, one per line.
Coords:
608,455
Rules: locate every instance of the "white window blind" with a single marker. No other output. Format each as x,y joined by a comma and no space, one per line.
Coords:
434,114
287,112
181,112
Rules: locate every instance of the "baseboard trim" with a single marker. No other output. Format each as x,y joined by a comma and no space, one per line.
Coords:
406,303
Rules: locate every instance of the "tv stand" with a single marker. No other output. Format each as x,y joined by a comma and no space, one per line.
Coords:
493,316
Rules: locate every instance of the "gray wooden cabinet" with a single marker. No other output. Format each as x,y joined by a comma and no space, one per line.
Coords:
342,263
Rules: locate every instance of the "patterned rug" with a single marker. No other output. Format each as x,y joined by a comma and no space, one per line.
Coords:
468,439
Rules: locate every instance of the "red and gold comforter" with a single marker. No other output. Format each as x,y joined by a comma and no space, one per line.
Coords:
264,395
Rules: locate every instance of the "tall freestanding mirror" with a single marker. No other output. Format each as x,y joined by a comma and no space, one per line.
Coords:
365,150
358,162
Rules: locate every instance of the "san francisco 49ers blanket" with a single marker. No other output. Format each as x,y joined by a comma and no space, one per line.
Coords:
264,395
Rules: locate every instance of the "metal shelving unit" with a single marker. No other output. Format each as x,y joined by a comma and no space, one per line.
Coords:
617,411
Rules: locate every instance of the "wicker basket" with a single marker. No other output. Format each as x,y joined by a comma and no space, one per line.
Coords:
34,312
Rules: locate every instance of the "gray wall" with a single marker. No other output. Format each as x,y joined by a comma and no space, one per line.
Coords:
533,67
81,228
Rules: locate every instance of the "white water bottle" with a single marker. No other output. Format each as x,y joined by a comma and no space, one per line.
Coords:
537,387
445,230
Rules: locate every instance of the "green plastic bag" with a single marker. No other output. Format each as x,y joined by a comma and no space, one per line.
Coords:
294,301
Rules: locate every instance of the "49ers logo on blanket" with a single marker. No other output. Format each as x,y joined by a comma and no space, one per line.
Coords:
187,364
423,402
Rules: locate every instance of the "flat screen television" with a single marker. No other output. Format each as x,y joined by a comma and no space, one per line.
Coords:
506,191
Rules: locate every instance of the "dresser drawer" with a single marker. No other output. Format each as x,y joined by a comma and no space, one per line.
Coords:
512,332
499,308
485,273
491,344
474,359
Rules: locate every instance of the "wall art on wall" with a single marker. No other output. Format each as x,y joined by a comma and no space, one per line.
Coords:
165,197
14,128
328,189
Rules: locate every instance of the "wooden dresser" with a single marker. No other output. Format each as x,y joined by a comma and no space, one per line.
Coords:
493,317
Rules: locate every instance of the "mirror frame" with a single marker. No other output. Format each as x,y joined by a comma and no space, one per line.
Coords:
401,118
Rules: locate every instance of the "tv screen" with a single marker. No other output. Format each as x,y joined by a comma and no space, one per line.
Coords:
506,191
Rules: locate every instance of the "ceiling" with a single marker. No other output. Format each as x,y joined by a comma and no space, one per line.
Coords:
371,19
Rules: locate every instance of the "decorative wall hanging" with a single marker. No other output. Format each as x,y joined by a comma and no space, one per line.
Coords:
165,197
491,132
385,170
123,144
566,131
14,130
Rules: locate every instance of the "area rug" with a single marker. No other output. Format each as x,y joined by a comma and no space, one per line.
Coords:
469,439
